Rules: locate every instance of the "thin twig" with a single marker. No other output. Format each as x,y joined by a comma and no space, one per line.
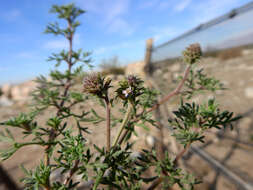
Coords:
155,183
178,157
108,124
71,173
180,154
174,92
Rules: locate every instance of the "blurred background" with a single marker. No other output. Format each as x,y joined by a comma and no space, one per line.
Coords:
115,31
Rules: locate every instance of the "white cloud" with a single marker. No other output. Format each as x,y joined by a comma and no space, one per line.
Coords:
182,5
11,15
56,44
206,10
100,50
163,33
122,45
111,14
62,43
109,9
160,5
147,4
164,5
27,55
118,25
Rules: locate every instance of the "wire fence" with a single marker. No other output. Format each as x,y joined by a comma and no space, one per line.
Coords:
230,30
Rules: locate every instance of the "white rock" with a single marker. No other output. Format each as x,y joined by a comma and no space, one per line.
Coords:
4,101
136,68
166,76
150,140
158,72
249,92
174,68
6,89
247,51
22,91
56,175
135,154
245,122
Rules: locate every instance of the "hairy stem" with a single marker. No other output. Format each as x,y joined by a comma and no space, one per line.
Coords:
174,92
71,173
163,100
108,124
178,157
53,132
180,154
124,122
155,183
98,179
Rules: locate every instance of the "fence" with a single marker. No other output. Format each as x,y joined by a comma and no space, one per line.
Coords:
232,29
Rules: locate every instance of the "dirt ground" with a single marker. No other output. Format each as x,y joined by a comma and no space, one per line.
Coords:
234,149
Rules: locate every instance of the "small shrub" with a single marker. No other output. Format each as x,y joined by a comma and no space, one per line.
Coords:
112,66
112,166
230,53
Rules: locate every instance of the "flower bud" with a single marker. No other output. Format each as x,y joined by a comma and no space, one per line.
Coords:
132,80
192,53
96,84
130,88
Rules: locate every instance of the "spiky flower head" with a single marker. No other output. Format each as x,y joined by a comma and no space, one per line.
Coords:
130,88
193,53
96,84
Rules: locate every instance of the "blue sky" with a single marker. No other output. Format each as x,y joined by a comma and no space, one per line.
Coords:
109,28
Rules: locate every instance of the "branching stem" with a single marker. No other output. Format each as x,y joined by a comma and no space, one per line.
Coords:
124,122
98,179
108,124
163,100
174,92
180,154
67,85
71,173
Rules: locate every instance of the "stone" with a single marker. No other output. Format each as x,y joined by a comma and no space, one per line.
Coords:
4,101
158,72
249,92
6,90
167,76
245,123
22,91
136,68
247,52
150,140
56,175
174,67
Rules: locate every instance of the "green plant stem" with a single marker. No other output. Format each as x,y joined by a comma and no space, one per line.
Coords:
125,120
108,124
98,179
176,91
180,154
71,173
178,157
67,85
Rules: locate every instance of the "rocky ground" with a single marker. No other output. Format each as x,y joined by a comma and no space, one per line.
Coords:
233,149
